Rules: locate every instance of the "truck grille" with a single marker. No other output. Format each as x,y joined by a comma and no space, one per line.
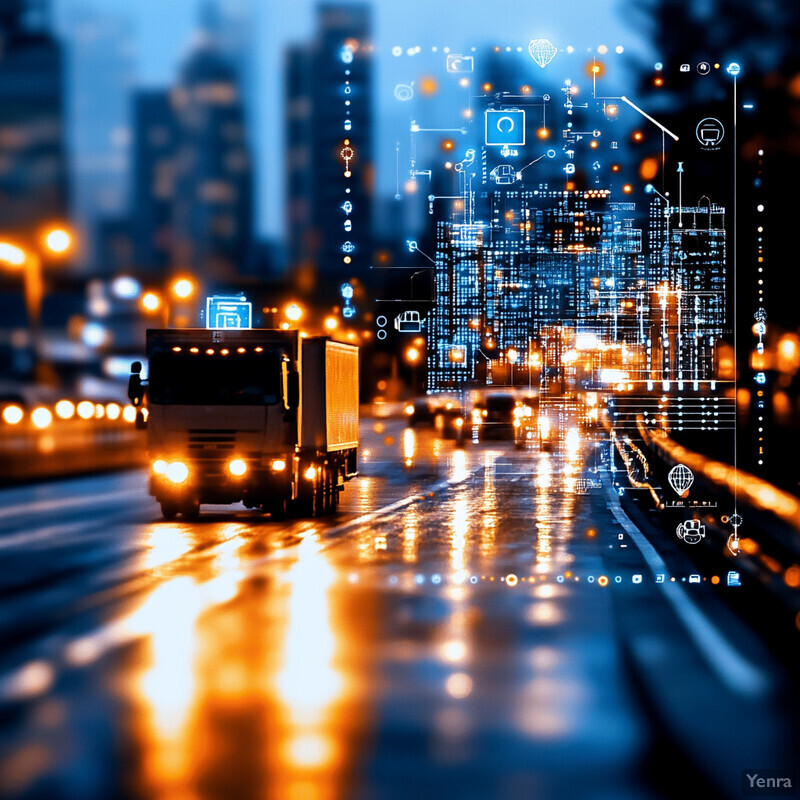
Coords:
212,439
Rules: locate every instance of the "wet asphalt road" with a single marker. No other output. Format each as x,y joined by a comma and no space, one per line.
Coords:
455,630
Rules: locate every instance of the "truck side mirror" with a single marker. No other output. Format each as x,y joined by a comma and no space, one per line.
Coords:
293,391
135,388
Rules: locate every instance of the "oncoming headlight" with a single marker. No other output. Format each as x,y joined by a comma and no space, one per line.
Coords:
177,472
237,467
159,466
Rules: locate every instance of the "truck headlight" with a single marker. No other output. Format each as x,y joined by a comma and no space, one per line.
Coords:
159,466
237,467
177,472
279,465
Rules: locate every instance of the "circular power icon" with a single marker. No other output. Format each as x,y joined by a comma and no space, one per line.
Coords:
505,124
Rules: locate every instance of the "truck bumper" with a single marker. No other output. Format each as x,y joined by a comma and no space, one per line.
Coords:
212,482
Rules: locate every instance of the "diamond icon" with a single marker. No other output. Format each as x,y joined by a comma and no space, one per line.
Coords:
542,51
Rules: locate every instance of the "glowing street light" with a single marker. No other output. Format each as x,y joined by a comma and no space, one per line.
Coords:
11,255
183,288
412,354
331,323
58,240
293,312
151,301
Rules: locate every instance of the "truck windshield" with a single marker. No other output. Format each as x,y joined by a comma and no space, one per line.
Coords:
187,378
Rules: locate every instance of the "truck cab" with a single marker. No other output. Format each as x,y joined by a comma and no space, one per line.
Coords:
226,420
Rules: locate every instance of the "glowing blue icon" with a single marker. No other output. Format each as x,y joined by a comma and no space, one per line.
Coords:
734,579
733,69
660,577
458,63
403,92
761,377
347,291
347,55
348,247
636,578
542,51
347,207
228,312
349,311
436,578
505,127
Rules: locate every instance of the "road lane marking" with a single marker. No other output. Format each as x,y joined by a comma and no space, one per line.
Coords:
735,670
35,506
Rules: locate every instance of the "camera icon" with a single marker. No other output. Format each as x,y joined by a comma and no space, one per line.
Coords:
458,63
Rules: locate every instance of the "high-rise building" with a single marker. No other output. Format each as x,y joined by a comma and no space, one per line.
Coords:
213,203
100,73
33,173
329,150
192,189
155,144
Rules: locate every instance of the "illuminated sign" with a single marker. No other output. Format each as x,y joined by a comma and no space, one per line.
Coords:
228,312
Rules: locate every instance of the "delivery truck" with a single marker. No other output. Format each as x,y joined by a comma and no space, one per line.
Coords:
258,416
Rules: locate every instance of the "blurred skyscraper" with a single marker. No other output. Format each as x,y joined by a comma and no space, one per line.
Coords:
154,148
329,111
213,210
100,69
192,194
33,173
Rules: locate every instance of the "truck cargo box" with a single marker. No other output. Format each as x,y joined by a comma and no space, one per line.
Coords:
329,420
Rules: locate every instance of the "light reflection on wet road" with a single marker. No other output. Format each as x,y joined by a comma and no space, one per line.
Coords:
425,650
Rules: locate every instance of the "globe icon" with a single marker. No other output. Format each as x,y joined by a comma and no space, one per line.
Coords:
680,478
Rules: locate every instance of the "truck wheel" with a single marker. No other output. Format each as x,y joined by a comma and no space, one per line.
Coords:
169,511
318,504
191,511
277,510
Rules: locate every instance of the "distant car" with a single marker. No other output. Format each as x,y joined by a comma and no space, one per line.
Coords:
420,412
449,422
495,416
526,420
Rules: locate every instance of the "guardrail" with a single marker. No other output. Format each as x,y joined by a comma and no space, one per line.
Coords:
68,438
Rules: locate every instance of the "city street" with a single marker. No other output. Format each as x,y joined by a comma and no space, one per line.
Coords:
469,624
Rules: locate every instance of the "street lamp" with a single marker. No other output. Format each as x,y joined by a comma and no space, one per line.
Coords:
55,241
293,312
58,240
150,301
513,356
413,356
183,288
